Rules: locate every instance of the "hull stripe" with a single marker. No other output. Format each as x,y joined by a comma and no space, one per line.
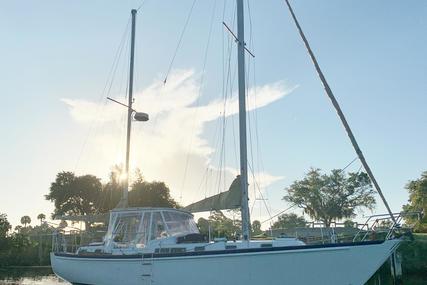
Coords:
216,252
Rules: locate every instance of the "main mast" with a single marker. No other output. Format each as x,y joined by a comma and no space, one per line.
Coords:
125,202
242,120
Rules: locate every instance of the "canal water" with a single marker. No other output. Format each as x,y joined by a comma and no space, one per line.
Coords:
33,276
45,276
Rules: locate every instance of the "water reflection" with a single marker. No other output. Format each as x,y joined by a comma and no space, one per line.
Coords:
33,276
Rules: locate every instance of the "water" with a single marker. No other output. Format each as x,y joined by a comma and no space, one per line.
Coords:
45,276
29,276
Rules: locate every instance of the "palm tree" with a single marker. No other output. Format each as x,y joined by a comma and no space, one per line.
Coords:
41,217
25,220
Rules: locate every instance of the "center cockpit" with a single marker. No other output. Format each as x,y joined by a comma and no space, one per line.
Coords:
136,228
162,230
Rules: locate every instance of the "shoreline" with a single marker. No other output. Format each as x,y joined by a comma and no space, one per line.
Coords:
26,267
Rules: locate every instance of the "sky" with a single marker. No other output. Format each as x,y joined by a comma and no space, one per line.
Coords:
55,74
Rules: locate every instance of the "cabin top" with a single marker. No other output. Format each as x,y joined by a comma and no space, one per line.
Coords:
138,226
147,209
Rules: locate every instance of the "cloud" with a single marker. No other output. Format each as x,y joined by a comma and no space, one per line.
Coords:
171,147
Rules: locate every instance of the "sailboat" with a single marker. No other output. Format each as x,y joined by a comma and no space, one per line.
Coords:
163,246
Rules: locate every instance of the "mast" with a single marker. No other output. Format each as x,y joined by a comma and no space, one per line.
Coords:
242,120
124,203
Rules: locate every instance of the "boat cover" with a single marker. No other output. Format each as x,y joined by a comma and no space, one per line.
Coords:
230,199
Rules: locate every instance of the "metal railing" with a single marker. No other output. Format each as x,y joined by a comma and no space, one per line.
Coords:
70,241
383,224
376,227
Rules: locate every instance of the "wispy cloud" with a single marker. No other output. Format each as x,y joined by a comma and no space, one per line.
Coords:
171,146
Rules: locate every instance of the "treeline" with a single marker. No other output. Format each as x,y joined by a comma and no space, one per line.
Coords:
71,194
87,195
26,245
327,198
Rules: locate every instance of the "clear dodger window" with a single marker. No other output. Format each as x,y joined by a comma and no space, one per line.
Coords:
179,223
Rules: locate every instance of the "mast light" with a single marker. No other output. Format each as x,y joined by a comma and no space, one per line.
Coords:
141,117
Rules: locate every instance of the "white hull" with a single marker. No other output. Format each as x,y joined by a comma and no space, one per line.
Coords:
340,265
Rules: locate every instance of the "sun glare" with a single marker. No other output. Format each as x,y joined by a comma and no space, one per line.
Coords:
123,176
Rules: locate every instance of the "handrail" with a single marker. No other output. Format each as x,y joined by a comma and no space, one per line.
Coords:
395,224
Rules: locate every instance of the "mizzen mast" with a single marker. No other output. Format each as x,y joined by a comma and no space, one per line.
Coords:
124,202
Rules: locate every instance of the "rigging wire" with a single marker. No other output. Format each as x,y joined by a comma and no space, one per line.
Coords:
233,121
278,214
229,91
349,164
227,82
215,134
104,93
198,96
124,42
248,114
179,41
229,85
253,119
123,84
293,205
141,5
262,196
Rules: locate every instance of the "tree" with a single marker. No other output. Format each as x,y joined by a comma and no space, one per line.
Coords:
256,228
85,195
385,224
220,226
417,202
5,226
349,224
41,217
151,194
111,191
203,225
75,195
289,221
331,197
25,220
